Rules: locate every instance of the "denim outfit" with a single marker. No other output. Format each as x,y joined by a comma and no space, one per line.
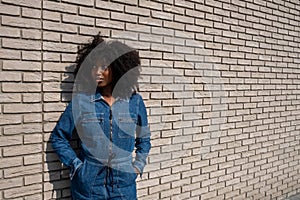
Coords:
104,168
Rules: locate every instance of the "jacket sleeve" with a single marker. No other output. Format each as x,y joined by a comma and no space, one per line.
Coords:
60,140
142,141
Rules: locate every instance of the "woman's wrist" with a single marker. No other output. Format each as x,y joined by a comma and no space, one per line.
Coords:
136,171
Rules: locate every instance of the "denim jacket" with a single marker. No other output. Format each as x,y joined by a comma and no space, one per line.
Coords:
108,134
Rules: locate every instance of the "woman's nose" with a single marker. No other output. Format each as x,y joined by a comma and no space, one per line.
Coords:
99,70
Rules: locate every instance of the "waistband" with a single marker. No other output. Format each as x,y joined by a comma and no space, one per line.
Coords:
107,162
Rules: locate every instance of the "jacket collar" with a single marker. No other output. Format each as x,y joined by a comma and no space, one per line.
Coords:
97,97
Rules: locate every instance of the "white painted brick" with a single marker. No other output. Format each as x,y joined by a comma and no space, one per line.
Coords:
22,150
150,197
31,55
32,98
109,5
61,27
185,4
160,173
32,77
70,19
9,183
146,37
137,11
21,22
124,35
199,192
34,197
10,98
86,3
182,196
31,13
147,183
59,7
173,9
159,158
150,21
93,12
162,15
22,108
21,44
124,17
31,34
159,188
9,10
151,5
23,191
170,192
62,47
176,26
162,79
10,163
51,15
33,159
110,24
171,103
20,171
161,47
10,54
37,178
34,3
11,140
51,97
9,32
33,138
184,19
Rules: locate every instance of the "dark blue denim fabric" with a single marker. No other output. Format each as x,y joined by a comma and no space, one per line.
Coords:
87,183
108,136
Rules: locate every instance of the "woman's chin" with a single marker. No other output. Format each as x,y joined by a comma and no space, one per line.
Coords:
100,84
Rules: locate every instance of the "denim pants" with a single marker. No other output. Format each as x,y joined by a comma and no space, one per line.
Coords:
94,181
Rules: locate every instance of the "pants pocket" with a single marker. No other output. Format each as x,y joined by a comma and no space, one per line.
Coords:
83,180
126,175
128,192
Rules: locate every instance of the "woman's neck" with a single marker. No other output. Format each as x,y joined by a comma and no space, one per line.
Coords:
106,93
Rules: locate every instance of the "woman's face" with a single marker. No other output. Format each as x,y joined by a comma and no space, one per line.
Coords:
102,75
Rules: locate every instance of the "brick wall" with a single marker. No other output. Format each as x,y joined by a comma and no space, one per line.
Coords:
220,80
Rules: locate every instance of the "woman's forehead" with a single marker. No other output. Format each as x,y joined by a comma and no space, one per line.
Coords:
100,61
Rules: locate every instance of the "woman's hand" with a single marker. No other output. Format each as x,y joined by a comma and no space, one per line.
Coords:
136,171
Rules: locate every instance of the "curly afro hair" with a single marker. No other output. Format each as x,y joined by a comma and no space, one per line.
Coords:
122,60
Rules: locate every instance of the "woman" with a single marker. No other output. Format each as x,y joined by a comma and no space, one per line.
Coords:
110,119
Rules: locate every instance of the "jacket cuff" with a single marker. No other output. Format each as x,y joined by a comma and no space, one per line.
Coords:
139,166
76,164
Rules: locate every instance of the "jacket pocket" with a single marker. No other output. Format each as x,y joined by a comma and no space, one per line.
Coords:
91,125
92,117
127,125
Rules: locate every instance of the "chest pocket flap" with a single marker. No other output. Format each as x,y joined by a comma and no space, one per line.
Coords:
127,125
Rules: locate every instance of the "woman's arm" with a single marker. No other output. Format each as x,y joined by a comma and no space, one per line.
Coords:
142,141
60,137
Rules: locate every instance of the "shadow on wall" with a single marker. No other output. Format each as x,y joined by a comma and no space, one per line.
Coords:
57,181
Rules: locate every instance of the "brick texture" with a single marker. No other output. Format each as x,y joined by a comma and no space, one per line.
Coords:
220,81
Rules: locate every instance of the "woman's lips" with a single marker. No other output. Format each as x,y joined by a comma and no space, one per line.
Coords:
99,79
